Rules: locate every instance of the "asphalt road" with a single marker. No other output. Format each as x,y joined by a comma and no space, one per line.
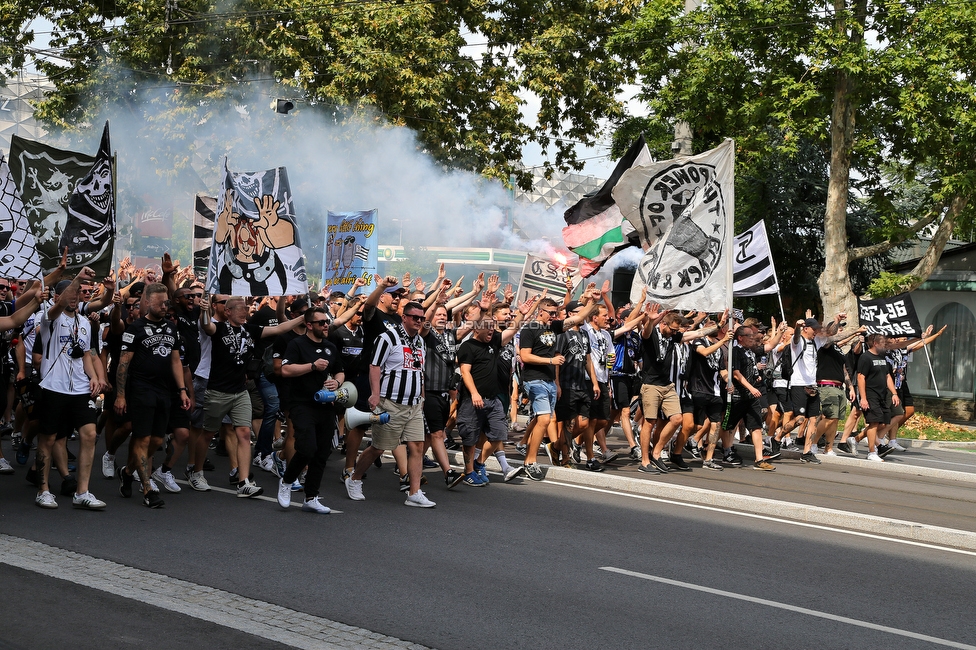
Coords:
507,566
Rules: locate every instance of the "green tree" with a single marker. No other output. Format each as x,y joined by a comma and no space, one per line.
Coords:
884,89
407,61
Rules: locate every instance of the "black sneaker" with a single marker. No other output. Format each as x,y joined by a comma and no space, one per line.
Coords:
809,457
453,478
679,463
693,450
635,453
732,458
593,465
884,450
534,472
234,478
577,452
453,445
125,483
650,468
846,446
153,500
660,464
771,454
208,465
712,465
774,446
69,485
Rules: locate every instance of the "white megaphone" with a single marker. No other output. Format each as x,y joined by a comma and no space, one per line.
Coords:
356,418
344,395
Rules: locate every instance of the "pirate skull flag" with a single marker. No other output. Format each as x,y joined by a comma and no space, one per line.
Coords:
45,177
256,249
683,212
89,232
18,253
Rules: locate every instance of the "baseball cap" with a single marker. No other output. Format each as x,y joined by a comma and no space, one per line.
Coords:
812,322
399,290
573,306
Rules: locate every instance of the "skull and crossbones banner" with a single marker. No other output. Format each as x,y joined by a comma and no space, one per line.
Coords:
89,232
256,250
45,176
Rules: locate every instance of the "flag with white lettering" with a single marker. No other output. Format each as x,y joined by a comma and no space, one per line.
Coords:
18,252
204,214
683,211
256,250
753,272
894,316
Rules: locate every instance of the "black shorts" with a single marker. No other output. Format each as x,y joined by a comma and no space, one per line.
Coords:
803,403
149,412
783,397
745,409
178,418
437,409
600,407
905,395
29,393
709,408
61,414
625,389
879,409
687,404
572,403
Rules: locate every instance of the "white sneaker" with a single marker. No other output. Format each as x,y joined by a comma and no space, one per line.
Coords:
419,500
314,505
167,479
875,458
249,490
267,463
284,494
830,453
198,482
894,445
256,461
138,479
354,489
5,467
108,465
46,500
87,501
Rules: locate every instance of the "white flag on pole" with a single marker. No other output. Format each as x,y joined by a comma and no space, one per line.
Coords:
752,265
683,211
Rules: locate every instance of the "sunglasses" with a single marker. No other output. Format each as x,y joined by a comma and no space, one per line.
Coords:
551,313
82,290
4,287
416,317
220,302
319,322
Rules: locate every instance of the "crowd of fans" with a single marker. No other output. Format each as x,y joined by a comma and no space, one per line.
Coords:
149,362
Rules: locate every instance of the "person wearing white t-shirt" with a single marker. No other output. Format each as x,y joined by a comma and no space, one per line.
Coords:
69,382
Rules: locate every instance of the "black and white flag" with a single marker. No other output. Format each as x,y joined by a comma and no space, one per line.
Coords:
89,232
753,273
894,316
204,215
18,251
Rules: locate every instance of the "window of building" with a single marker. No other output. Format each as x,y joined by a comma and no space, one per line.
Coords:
952,355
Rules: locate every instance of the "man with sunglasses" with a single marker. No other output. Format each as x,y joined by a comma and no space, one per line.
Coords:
396,379
117,426
310,363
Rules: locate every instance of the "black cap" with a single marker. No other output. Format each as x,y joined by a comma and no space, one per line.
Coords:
573,306
61,286
812,322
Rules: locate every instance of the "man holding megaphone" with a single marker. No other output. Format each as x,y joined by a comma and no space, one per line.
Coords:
312,364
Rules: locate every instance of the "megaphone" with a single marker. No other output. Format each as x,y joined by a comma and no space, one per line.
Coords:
356,418
345,395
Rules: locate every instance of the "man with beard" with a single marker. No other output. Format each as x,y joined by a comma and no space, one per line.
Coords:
877,391
745,405
149,368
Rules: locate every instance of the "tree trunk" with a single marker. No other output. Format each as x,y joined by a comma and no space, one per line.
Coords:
836,294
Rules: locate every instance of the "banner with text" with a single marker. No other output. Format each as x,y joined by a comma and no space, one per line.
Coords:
894,316
540,274
350,250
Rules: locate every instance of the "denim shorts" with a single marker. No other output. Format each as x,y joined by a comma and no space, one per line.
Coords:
542,395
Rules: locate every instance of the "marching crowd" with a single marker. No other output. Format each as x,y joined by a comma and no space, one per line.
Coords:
148,361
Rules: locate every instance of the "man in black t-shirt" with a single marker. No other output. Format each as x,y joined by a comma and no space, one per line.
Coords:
149,371
707,384
745,404
877,391
232,346
576,388
310,364
117,427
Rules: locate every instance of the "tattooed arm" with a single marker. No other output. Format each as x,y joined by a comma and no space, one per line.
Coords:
120,379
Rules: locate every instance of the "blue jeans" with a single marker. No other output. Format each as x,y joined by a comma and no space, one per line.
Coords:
269,395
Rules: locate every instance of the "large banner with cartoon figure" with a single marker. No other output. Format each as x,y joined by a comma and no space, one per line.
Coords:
89,231
256,249
45,177
350,250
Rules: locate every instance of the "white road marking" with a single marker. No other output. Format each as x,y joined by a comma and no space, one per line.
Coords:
294,504
941,462
255,617
792,608
750,515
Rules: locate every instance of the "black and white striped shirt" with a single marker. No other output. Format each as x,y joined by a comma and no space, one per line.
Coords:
401,363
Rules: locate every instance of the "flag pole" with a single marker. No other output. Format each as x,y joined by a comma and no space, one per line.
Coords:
730,274
779,297
931,372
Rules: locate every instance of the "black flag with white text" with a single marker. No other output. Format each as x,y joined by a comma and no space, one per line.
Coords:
894,316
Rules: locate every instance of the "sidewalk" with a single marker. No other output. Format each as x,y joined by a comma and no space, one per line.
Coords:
923,504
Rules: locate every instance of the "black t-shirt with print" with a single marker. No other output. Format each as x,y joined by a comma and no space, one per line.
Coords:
540,340
350,345
658,356
302,350
875,369
575,346
231,349
188,325
152,345
744,361
704,374
504,367
483,357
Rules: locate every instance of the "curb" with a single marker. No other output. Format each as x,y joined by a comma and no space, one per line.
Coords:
909,530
